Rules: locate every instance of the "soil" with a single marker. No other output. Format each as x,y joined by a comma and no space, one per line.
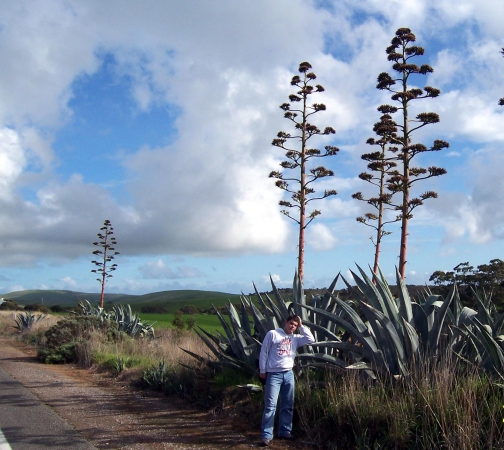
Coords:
114,415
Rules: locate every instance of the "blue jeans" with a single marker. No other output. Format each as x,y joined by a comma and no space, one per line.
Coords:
278,383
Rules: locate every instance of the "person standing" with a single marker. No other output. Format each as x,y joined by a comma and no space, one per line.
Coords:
276,361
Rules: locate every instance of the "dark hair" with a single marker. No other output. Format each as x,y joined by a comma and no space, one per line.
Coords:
294,317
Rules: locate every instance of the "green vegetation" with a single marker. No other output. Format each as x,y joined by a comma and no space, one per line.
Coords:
486,277
435,400
164,321
171,301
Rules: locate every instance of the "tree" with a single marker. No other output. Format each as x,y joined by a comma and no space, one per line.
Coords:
488,277
178,321
106,255
381,163
298,158
190,322
400,52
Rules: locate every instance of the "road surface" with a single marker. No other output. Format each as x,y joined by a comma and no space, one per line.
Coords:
28,424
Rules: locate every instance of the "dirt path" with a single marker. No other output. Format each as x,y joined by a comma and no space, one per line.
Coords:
111,415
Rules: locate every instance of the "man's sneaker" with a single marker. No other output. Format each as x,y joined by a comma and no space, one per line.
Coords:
265,442
288,437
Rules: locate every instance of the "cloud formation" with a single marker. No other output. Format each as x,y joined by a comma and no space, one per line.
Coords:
218,72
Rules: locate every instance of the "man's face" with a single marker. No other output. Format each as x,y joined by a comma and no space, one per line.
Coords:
291,326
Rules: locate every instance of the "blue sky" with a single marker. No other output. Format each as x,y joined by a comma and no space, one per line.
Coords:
159,117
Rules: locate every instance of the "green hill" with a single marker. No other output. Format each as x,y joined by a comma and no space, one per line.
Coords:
171,300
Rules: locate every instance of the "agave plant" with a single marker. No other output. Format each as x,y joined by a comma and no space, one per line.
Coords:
478,336
383,334
25,321
130,323
84,308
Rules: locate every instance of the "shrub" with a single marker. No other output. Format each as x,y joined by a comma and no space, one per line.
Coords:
190,309
10,305
39,308
63,339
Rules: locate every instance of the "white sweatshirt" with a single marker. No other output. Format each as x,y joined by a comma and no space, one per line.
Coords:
278,349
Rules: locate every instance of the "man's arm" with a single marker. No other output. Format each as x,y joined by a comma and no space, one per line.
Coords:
306,335
263,356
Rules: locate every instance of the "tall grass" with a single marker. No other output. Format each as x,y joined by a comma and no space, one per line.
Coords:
7,327
145,352
445,407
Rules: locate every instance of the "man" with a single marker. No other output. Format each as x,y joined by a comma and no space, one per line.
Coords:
275,365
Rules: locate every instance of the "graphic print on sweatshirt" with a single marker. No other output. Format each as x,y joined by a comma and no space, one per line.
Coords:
285,347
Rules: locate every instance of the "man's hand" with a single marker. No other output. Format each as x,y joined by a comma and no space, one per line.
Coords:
263,375
299,321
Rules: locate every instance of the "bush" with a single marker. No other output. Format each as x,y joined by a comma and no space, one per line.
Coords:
10,305
190,309
62,341
178,322
37,308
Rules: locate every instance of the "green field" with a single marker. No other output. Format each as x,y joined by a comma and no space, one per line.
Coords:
208,322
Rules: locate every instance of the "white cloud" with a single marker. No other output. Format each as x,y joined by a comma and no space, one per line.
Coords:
68,283
12,161
320,238
158,270
225,67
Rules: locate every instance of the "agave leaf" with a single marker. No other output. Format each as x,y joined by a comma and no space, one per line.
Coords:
229,332
281,303
465,316
492,348
499,324
260,322
389,341
326,299
435,332
277,311
457,304
207,341
355,292
360,334
482,303
239,339
319,329
361,365
244,320
348,347
250,387
412,343
321,358
369,290
391,308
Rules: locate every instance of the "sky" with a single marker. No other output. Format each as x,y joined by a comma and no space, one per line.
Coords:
159,115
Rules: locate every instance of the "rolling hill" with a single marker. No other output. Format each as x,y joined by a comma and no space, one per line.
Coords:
171,300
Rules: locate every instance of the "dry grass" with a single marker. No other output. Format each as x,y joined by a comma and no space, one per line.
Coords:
445,407
167,346
7,324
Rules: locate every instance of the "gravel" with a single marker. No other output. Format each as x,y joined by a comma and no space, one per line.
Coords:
113,415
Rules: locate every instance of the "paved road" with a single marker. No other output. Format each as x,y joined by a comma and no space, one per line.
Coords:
28,424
